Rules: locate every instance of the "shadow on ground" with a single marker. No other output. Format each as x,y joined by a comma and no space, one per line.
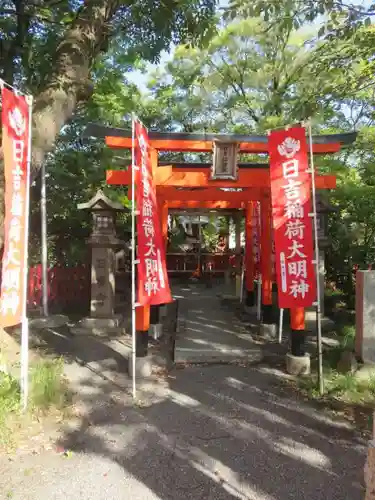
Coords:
226,432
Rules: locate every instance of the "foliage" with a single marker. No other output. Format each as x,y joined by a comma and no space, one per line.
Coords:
210,236
340,17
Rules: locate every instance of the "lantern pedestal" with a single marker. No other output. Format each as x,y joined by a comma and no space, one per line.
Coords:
102,327
53,321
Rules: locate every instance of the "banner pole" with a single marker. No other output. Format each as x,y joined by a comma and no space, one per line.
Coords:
25,322
318,309
281,325
259,298
242,280
259,289
133,255
43,215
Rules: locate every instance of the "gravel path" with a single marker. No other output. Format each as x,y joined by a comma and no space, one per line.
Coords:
217,433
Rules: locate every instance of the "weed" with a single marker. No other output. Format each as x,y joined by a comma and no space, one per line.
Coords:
347,336
47,390
47,387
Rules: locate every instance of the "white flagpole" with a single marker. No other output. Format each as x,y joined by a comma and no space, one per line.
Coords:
281,325
133,256
259,298
259,289
242,280
43,215
318,309
25,322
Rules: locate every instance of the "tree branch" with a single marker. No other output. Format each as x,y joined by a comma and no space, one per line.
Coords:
237,87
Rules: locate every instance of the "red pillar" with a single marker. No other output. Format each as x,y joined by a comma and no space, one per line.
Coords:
163,215
249,256
143,313
297,325
266,257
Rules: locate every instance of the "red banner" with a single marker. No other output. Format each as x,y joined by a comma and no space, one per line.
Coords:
291,206
153,285
15,143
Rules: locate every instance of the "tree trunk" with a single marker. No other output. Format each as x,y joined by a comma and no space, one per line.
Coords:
69,82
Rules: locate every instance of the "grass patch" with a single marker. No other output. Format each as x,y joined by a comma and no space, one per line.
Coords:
343,392
47,391
341,386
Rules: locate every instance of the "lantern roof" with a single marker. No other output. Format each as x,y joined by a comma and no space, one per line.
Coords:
101,202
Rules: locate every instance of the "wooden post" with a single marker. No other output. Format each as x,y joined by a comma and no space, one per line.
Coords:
249,256
266,258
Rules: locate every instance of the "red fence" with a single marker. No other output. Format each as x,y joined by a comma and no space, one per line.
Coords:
68,287
188,262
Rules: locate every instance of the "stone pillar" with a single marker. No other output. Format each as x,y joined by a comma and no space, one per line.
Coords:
103,268
365,316
103,243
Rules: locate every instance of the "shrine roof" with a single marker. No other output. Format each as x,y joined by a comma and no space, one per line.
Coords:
103,131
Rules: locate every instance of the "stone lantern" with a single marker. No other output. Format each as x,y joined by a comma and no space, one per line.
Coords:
103,242
323,208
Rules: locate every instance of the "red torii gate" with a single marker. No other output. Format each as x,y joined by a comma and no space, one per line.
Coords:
189,185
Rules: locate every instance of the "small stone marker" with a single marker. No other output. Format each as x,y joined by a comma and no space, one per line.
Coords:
365,316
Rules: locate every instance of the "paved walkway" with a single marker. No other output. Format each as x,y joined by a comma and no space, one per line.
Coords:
210,330
217,433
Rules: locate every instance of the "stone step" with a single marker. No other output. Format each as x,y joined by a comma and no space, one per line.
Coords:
207,356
